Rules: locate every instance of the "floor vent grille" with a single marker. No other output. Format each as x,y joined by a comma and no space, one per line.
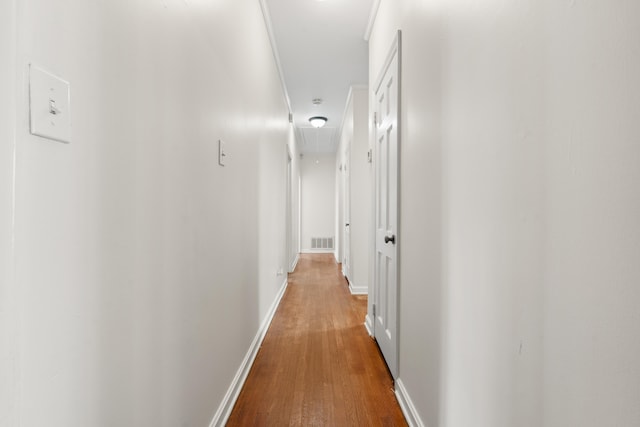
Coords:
322,243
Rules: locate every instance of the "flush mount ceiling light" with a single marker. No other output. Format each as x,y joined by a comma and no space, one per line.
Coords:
318,121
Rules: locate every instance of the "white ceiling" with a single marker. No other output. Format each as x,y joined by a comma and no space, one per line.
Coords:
322,52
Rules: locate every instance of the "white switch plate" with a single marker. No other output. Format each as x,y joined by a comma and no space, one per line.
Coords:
49,105
222,156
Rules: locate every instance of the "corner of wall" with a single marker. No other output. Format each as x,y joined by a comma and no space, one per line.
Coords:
9,333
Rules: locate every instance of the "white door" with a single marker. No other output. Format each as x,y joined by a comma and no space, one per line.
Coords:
386,105
346,205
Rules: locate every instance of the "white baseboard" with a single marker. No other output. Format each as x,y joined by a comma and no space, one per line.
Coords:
293,266
368,323
355,289
406,404
358,290
317,251
224,410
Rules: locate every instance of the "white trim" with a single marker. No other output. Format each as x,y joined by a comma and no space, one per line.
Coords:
358,290
396,49
346,106
368,323
274,47
293,265
355,290
226,406
406,404
372,19
344,116
318,251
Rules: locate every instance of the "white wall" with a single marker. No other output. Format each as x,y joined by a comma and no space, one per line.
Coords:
272,216
592,245
520,213
317,207
8,290
361,191
144,268
354,144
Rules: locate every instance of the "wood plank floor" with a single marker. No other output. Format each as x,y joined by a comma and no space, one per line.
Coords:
317,365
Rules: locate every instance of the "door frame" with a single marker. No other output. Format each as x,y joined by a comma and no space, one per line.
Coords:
394,50
346,213
288,209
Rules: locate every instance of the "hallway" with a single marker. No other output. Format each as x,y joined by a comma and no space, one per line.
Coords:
156,166
317,365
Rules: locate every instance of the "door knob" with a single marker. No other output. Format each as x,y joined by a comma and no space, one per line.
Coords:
391,239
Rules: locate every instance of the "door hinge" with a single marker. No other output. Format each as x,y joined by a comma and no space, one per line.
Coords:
374,310
375,118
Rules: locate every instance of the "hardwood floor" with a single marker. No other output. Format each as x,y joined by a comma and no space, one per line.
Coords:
317,365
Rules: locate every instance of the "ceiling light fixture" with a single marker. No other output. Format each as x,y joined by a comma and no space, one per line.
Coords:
318,121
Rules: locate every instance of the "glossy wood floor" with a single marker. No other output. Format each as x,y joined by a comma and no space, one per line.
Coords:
317,365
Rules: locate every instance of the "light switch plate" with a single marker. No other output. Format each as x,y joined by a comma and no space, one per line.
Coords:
49,105
222,156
